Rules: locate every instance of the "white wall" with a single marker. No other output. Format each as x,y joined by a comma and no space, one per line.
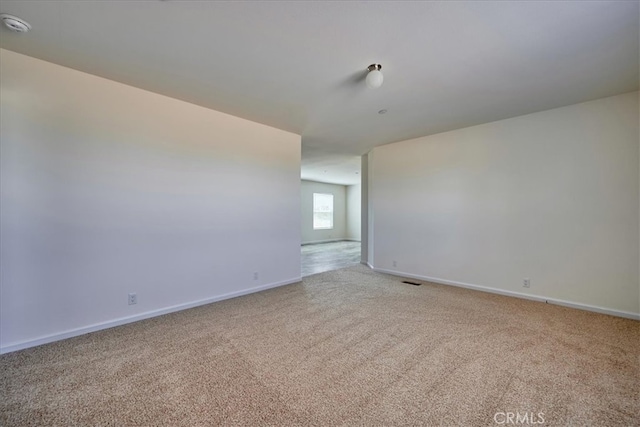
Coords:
551,196
370,211
107,189
354,203
364,206
339,231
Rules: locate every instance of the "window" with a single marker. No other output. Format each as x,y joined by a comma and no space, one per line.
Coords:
322,211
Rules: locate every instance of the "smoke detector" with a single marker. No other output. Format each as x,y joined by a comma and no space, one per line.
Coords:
14,23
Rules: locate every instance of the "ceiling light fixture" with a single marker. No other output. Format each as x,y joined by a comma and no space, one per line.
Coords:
374,77
14,23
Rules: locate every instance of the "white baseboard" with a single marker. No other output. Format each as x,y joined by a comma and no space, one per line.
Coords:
367,264
580,306
130,319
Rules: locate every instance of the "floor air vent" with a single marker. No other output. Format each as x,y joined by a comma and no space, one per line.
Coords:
411,283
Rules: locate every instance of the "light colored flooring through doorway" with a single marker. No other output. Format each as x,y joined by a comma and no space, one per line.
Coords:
321,257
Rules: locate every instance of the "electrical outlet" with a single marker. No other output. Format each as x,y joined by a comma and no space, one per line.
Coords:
526,283
133,299
255,276
395,264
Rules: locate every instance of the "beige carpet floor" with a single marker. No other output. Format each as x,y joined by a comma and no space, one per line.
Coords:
348,347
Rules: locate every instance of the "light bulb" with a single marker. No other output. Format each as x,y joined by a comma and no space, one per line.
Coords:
374,79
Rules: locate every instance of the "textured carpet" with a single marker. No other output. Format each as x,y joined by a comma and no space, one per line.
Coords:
348,347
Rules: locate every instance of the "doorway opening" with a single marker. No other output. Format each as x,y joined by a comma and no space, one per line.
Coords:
331,219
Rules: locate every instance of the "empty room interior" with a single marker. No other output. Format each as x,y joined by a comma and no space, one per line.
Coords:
319,213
